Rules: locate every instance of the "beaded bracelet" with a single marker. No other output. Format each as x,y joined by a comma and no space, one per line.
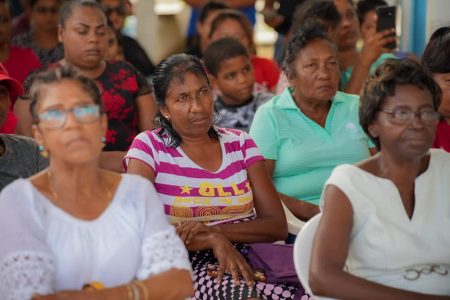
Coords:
130,292
136,292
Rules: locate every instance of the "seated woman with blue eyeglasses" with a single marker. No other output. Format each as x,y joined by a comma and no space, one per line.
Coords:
384,232
74,230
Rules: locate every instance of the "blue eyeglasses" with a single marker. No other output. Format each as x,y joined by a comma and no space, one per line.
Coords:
56,117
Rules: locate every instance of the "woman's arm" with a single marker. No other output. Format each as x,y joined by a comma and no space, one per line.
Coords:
198,236
135,166
112,160
372,49
269,226
147,111
329,253
158,287
301,209
229,259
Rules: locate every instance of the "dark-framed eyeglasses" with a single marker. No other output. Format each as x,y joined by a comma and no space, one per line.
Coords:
404,116
56,118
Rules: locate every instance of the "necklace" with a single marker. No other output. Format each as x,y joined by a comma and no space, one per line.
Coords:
55,195
50,185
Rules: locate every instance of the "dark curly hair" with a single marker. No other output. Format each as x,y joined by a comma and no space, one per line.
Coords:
436,57
68,7
310,32
231,14
222,50
322,11
175,67
383,83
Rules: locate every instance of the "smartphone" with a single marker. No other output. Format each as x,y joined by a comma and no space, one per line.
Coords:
386,20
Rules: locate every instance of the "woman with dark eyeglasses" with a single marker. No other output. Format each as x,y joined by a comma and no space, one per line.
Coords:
383,233
74,230
43,36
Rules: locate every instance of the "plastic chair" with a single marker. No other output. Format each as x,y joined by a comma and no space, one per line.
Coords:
294,224
302,251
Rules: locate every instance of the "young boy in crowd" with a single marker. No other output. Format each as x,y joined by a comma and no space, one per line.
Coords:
230,68
19,156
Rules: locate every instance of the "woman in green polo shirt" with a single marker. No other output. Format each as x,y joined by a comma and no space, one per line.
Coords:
311,127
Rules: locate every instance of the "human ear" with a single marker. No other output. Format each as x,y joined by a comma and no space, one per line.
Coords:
290,76
165,112
213,80
60,33
37,134
373,130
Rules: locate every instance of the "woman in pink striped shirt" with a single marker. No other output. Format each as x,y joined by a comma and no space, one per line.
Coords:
212,182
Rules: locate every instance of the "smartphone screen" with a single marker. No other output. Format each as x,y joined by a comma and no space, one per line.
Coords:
386,20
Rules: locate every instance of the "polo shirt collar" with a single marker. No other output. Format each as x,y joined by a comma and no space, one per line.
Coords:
287,102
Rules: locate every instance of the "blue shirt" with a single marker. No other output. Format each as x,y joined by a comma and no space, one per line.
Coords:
249,12
347,73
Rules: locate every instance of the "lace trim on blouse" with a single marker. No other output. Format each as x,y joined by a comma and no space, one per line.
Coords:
26,273
162,252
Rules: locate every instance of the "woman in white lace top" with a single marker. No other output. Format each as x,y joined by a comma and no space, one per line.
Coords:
75,225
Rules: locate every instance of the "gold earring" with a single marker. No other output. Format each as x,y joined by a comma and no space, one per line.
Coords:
44,153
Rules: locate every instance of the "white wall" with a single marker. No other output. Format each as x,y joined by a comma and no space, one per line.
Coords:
160,35
438,15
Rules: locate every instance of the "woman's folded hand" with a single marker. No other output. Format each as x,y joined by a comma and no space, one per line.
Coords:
231,262
188,230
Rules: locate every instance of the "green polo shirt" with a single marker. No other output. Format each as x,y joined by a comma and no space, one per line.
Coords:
306,153
347,73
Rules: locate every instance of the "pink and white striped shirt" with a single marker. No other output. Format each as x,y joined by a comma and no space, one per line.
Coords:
190,192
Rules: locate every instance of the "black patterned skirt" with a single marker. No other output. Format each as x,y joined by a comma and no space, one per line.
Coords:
206,288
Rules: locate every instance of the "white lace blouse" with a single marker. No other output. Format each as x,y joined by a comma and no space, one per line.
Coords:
43,249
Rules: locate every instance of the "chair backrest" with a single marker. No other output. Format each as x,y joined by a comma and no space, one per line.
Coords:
302,251
294,224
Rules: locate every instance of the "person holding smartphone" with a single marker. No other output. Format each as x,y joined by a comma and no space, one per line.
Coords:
357,65
367,11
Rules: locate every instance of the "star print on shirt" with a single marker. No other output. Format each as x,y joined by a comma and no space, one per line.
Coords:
185,190
247,185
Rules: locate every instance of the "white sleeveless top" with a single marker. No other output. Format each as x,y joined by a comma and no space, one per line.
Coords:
386,246
43,249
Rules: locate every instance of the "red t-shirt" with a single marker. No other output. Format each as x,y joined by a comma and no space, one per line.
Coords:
266,71
20,63
442,138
